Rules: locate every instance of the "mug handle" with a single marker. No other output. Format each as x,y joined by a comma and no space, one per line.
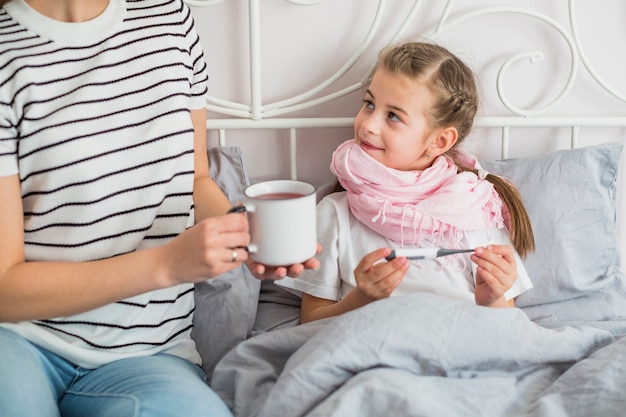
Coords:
237,209
252,248
241,209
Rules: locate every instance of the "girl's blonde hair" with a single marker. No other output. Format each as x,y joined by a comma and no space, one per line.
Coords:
454,87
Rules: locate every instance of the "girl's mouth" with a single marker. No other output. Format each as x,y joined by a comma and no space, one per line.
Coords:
368,146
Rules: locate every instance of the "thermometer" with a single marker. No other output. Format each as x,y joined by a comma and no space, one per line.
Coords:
424,253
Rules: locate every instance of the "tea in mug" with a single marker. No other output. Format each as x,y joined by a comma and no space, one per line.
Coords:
278,196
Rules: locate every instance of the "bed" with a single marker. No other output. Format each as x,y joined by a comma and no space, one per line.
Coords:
562,352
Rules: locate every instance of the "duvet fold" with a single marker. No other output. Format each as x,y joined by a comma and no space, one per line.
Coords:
425,355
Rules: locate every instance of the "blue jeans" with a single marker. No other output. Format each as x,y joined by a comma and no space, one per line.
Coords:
35,382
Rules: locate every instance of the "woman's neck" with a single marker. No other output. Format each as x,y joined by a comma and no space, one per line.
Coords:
69,10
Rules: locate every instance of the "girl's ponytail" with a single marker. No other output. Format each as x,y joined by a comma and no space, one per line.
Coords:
521,230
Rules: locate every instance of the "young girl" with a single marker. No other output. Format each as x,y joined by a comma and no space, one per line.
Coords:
108,215
407,185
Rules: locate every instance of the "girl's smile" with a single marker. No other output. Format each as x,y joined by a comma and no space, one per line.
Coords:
367,146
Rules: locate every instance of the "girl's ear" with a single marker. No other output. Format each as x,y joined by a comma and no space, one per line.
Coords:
444,140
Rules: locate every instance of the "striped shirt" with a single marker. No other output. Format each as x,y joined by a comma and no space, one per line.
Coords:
95,120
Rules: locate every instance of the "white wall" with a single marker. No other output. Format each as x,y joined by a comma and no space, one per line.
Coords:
304,45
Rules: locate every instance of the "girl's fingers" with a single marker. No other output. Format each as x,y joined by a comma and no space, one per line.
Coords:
496,266
377,280
371,258
495,257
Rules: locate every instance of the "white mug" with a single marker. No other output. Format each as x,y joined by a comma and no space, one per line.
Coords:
282,219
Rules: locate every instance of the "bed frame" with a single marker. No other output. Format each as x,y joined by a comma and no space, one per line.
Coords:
503,123
544,88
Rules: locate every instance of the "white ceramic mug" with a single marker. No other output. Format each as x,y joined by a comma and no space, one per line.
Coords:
282,219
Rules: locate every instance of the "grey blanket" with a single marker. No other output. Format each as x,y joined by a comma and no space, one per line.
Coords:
423,355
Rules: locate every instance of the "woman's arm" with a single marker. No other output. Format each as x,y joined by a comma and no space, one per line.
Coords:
209,200
31,290
40,290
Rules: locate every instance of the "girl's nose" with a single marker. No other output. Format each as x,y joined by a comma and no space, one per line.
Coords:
369,124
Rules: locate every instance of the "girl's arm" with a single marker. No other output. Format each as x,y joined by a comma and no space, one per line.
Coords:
314,308
375,280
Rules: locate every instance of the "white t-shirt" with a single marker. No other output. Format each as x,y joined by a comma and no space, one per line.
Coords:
345,240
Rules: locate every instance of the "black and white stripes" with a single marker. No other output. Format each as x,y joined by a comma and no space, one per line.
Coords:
94,118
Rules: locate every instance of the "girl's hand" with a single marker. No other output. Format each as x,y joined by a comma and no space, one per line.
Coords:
378,280
278,272
496,271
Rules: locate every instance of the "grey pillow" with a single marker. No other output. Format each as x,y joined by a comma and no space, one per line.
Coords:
225,306
570,197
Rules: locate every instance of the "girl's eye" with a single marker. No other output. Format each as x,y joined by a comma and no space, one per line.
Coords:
368,104
394,117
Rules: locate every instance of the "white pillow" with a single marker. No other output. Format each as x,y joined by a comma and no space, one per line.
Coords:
570,197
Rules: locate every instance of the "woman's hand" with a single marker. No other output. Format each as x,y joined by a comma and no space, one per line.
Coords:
376,280
496,271
210,248
278,272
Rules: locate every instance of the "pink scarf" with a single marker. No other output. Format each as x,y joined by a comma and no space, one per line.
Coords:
409,206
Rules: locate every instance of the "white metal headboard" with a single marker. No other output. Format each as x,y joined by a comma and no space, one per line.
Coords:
259,115
255,114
